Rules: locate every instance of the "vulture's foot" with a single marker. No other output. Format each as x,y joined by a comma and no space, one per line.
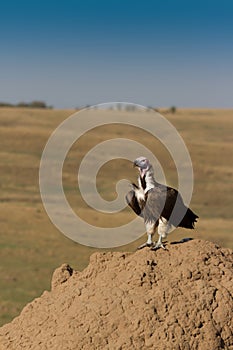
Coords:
158,245
145,245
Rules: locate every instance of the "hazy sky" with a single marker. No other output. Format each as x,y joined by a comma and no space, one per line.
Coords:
159,53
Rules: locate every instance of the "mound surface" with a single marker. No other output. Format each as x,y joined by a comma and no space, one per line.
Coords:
175,299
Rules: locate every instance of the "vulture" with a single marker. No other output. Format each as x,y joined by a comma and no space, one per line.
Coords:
160,206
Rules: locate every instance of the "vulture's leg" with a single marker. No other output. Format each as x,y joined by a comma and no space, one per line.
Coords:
150,230
159,244
163,230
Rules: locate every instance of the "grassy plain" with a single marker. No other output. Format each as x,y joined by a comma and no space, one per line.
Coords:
31,247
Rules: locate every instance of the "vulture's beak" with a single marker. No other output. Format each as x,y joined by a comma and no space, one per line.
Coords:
135,163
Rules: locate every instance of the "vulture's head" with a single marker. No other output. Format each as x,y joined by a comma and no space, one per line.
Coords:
143,165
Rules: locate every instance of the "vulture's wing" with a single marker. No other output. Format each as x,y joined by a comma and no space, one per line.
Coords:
182,216
161,201
132,201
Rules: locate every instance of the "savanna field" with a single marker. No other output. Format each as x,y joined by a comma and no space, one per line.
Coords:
30,245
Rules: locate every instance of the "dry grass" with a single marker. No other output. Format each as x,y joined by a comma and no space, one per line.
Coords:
31,247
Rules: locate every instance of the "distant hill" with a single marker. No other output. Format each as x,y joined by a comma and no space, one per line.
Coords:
33,104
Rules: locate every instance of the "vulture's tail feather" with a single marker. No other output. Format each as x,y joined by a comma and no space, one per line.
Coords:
188,220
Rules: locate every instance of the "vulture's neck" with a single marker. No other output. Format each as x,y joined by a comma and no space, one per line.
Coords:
147,181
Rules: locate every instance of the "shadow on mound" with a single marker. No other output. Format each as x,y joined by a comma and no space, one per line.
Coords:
183,240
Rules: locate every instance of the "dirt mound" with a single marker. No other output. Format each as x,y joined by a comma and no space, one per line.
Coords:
175,299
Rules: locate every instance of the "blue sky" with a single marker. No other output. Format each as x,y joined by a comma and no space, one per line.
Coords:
157,53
